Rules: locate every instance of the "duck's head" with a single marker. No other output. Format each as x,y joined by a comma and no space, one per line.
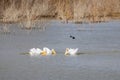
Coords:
43,53
53,52
67,51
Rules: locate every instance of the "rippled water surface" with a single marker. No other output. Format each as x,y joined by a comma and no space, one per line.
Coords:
98,43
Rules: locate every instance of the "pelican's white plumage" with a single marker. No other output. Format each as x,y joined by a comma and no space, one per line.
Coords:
35,51
38,51
70,51
47,51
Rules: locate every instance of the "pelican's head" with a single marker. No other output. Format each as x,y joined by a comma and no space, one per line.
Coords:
43,53
53,52
67,51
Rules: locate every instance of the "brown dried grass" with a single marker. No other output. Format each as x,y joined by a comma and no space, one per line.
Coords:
78,10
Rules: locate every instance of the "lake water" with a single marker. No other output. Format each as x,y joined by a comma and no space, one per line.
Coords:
99,45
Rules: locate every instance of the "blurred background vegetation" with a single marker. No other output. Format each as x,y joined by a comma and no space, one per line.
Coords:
77,10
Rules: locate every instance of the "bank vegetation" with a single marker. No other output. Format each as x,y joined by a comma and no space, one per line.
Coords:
73,10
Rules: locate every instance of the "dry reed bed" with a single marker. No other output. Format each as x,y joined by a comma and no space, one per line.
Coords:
77,10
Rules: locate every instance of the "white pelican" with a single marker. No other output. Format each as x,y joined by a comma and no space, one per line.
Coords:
47,51
70,51
35,51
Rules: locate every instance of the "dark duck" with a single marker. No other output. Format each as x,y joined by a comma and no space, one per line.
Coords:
72,37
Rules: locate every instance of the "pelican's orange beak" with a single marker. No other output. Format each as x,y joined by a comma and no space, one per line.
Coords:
43,53
53,52
66,51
